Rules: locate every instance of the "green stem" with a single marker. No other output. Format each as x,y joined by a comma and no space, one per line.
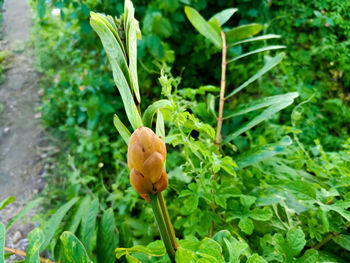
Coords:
158,214
168,224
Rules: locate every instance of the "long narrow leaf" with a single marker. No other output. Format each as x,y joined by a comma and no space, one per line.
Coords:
36,240
149,112
23,212
7,201
117,62
2,242
260,153
87,226
107,238
223,16
52,225
266,114
160,130
74,250
259,50
79,213
123,131
252,39
261,103
203,26
132,52
269,65
242,32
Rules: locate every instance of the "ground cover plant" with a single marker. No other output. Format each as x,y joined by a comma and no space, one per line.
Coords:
240,189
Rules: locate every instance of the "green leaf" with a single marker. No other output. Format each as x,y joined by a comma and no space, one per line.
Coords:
310,256
246,225
23,212
211,104
125,236
184,255
132,52
87,226
264,214
2,242
255,258
52,225
253,39
261,153
151,110
107,238
247,200
223,16
343,241
266,114
203,26
123,131
242,32
74,250
7,201
79,213
261,103
259,50
153,249
36,240
160,130
269,65
296,241
119,68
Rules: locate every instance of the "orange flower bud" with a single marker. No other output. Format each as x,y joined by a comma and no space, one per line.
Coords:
146,157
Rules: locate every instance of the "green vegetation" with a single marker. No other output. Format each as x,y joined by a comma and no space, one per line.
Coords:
258,148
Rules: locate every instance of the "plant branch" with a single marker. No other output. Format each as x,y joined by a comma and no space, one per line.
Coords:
167,220
329,237
158,214
23,254
222,89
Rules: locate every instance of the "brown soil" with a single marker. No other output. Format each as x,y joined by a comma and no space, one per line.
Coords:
21,171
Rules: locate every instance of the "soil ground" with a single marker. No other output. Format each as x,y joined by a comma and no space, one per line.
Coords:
21,134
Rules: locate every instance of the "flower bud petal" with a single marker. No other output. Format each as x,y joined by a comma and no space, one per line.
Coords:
140,183
161,184
136,156
152,168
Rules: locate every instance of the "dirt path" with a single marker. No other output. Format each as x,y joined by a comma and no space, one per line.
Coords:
20,130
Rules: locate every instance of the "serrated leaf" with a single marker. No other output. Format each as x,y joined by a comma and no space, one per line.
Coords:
269,65
184,255
241,32
264,214
343,241
52,225
255,258
151,110
261,153
36,241
256,51
123,131
74,250
246,225
7,201
266,114
247,200
296,241
2,242
107,238
310,256
203,26
87,225
223,16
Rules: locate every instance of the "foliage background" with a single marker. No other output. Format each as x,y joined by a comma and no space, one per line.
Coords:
300,195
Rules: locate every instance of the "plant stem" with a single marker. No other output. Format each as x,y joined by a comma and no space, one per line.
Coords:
158,214
222,89
23,254
168,224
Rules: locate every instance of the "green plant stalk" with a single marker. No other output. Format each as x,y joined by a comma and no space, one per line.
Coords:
158,214
167,220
